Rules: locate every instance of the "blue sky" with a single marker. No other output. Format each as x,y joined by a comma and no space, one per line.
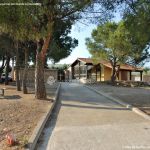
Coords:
80,32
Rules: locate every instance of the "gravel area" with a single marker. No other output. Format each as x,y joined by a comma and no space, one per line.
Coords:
19,115
138,97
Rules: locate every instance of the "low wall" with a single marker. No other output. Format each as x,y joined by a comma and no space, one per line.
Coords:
135,78
31,74
146,78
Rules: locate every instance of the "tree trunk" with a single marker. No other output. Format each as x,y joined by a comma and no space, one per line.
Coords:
25,73
40,90
114,73
7,70
17,69
113,76
2,66
12,72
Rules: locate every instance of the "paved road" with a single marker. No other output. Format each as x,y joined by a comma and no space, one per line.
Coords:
84,120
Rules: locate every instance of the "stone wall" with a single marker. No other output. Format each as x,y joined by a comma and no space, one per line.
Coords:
135,78
31,74
146,78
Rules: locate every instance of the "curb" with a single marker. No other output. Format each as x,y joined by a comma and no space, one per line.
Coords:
109,97
40,126
134,109
141,113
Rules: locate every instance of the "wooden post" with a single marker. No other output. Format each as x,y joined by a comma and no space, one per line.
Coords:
100,72
130,75
2,92
72,70
141,75
118,73
79,69
96,73
86,71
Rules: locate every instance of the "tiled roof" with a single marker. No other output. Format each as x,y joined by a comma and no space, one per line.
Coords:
122,66
129,67
107,64
86,60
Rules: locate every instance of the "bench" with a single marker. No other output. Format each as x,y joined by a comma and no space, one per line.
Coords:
2,92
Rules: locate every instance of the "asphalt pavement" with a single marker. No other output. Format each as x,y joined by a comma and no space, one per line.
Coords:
85,120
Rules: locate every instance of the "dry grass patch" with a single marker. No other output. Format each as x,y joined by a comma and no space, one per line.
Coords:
19,115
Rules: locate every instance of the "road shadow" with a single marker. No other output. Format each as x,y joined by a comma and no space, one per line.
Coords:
93,107
84,96
49,127
11,97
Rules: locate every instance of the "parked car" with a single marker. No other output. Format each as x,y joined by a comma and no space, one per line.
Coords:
3,77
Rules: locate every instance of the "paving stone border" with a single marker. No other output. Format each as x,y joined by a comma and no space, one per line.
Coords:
134,109
40,126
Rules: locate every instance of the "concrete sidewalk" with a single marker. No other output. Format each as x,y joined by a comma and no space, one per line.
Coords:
84,120
137,96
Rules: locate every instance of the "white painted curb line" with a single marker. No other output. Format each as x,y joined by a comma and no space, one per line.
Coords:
40,126
141,113
134,109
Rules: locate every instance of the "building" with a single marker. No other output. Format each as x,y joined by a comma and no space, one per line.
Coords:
85,68
31,74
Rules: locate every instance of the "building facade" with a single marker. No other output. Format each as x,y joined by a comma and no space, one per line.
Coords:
85,68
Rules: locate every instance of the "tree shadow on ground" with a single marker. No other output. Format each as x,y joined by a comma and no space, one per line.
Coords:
49,127
11,97
93,107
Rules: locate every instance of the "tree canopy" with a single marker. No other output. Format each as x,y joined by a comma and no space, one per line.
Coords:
111,42
48,27
39,24
137,20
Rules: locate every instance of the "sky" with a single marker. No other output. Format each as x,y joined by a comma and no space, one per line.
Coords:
81,32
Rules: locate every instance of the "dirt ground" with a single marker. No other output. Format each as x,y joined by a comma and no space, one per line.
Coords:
136,96
19,114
